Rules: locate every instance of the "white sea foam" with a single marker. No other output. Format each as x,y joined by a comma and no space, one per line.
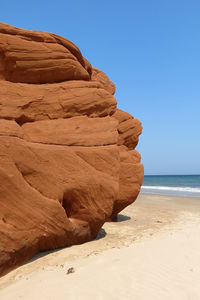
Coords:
172,188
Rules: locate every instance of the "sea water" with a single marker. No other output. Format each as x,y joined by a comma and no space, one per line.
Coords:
175,185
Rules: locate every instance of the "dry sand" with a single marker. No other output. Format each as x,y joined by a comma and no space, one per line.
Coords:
153,252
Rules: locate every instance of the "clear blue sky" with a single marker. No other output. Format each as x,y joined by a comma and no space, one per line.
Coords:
151,51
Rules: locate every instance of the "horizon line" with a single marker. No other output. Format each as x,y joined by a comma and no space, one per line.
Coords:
171,174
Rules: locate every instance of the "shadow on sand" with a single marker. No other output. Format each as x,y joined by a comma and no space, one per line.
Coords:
122,218
42,254
102,233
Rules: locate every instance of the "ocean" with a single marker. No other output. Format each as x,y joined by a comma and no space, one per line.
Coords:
174,185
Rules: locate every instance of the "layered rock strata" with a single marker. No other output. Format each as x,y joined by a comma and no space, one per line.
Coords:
67,158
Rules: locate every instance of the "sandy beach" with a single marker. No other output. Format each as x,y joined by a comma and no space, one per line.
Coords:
152,252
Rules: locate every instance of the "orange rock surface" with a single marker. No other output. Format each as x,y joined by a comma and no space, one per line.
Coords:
67,158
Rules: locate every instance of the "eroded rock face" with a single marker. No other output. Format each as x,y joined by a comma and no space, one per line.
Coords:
67,158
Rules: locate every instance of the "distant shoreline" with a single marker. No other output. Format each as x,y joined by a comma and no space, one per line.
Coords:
170,194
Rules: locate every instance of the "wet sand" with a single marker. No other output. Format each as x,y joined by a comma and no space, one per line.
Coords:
152,252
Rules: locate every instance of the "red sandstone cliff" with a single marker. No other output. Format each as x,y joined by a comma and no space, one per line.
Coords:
67,158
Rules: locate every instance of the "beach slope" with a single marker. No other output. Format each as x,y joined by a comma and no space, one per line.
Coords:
152,252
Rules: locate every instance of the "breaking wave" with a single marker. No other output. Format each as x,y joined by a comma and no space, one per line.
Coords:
171,190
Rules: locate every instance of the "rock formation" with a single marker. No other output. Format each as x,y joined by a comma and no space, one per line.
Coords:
67,158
